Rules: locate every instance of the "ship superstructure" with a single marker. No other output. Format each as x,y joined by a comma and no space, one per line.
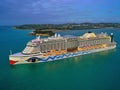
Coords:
58,47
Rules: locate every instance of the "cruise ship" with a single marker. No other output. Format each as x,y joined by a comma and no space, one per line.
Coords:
58,47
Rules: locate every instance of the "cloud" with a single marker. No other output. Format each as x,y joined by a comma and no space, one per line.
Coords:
58,11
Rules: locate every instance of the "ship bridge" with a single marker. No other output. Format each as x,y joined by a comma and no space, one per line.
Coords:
32,47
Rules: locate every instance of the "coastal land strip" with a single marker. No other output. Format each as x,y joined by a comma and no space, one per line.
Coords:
50,29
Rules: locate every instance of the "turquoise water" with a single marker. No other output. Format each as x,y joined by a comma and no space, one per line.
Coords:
99,71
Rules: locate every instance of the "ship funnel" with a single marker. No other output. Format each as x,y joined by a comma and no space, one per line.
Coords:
111,37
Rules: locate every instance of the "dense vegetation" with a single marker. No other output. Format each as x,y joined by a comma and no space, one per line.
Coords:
40,32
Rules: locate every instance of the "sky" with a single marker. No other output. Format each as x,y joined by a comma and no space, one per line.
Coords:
18,12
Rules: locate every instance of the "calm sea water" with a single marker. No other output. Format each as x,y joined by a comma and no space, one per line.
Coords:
88,72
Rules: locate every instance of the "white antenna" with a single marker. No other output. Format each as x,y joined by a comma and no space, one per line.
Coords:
10,52
38,38
58,35
55,34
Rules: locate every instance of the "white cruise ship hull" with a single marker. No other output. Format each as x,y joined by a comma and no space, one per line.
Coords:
20,58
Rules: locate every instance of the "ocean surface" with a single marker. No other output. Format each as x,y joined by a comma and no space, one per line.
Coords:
97,71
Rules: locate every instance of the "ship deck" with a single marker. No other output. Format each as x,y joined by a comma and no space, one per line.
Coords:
18,54
24,55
